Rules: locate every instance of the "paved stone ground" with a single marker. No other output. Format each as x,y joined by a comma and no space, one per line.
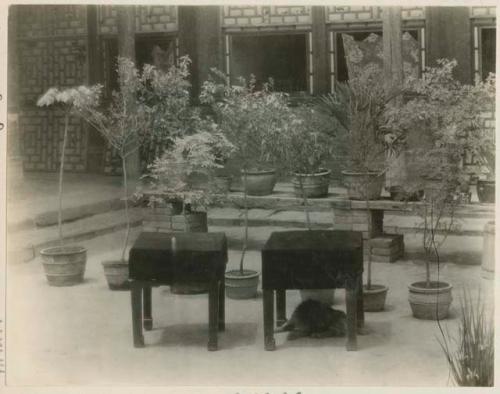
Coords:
81,335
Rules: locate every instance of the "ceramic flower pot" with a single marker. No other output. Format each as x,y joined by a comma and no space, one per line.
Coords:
64,265
374,298
314,185
116,272
486,191
260,183
363,185
430,303
241,286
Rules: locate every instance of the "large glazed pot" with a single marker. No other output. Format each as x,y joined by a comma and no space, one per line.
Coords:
430,303
363,185
486,191
64,265
314,185
259,182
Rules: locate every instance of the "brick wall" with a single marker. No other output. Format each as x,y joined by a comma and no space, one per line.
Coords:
149,19
52,51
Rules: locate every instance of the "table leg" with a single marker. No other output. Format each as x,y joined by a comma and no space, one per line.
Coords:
280,307
268,300
360,307
351,309
148,317
136,299
222,304
213,314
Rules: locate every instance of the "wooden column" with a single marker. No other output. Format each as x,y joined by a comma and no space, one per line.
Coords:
448,35
396,174
393,58
209,45
320,51
126,48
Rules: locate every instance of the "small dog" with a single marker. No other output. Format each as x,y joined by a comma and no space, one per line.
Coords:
314,319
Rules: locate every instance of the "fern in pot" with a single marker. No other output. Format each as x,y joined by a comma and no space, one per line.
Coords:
65,265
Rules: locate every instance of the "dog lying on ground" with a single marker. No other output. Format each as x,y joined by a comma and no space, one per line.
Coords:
314,319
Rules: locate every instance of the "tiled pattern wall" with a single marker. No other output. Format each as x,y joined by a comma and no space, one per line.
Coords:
43,132
483,12
52,49
266,15
346,14
149,19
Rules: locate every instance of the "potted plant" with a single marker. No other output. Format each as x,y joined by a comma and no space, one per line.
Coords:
182,186
357,107
251,120
65,265
123,123
304,144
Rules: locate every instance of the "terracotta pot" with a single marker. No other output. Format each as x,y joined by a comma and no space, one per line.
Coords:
260,183
363,185
64,265
314,185
486,191
430,303
116,272
374,298
241,286
488,258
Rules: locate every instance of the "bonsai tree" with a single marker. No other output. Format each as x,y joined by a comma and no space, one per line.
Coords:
252,121
123,123
69,100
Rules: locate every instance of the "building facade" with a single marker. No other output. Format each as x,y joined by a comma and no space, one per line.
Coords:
300,47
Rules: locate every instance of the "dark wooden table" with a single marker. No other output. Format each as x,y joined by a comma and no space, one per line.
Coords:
197,258
317,259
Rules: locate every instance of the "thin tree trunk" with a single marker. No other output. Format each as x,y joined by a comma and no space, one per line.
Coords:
369,270
61,174
125,190
306,206
245,239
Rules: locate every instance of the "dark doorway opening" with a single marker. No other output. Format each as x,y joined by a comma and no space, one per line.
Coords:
488,51
281,57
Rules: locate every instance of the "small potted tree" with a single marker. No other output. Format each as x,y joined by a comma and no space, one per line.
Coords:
177,188
123,123
448,114
251,120
65,265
